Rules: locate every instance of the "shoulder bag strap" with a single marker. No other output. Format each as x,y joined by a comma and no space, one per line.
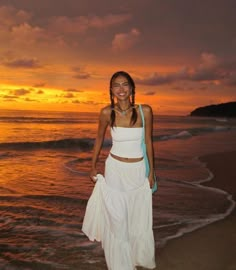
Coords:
143,120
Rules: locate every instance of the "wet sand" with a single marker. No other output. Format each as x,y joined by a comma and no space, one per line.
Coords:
212,247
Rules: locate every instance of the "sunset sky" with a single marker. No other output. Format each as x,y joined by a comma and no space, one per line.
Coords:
60,54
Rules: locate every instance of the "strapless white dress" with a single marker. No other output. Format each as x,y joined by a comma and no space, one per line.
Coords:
119,214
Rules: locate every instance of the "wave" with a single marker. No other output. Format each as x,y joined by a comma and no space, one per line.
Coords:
221,119
185,134
43,120
85,144
5,190
45,198
5,155
82,144
188,225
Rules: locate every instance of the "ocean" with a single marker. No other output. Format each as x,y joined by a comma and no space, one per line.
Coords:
44,185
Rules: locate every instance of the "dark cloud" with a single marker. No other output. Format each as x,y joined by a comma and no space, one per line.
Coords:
30,100
68,95
89,102
73,90
40,91
189,89
76,101
210,69
80,24
20,92
10,16
81,73
39,85
231,79
72,8
92,102
150,93
149,35
23,63
9,97
169,30
156,79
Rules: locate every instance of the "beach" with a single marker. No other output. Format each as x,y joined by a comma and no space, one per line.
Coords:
43,200
211,247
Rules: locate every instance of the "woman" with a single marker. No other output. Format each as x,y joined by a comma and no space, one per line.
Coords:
119,211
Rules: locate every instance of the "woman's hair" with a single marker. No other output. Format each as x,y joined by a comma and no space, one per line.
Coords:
132,85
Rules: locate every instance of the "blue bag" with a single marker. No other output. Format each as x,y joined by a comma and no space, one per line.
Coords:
154,188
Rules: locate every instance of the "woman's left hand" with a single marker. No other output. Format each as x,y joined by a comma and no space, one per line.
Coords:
151,180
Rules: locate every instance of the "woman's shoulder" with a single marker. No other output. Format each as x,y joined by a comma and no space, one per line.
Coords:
105,112
146,108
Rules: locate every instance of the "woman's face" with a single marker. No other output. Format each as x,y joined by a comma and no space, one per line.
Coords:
121,88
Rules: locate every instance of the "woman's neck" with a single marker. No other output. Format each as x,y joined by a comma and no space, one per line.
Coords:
123,108
123,105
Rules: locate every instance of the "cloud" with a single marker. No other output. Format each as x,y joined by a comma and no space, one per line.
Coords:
10,16
125,41
207,69
40,92
76,101
80,73
82,76
68,95
211,69
150,93
30,100
20,92
9,97
64,24
16,27
23,63
231,79
208,60
25,33
41,84
155,79
159,79
88,102
73,90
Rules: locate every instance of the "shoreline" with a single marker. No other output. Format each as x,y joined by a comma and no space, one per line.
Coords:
211,247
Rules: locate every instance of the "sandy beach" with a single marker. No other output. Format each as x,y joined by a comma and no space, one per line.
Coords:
212,247
44,198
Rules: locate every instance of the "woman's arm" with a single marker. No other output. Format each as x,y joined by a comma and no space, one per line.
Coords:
148,138
102,126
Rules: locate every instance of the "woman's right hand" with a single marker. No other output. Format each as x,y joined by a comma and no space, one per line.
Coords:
93,175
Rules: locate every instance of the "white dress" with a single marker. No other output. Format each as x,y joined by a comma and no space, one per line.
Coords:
119,214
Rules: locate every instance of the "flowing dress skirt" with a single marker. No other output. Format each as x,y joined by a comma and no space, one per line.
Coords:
119,214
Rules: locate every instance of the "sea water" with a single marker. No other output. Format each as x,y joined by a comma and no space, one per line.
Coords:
45,158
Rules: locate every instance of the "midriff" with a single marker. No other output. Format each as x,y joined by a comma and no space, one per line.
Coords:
123,159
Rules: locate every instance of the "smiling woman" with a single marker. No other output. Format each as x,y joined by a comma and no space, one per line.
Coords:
119,211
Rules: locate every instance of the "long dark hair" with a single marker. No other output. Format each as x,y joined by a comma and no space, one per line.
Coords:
132,84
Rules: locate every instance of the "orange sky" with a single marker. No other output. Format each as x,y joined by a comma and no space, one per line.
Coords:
60,55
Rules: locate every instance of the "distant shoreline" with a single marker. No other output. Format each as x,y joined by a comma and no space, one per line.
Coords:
216,110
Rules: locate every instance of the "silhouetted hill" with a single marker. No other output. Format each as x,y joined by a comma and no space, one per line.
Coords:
220,110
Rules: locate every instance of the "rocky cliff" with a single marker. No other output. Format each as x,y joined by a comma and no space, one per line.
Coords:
219,110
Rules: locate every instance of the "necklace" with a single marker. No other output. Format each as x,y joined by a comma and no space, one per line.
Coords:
123,112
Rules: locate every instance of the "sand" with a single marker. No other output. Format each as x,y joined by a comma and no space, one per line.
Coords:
212,247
